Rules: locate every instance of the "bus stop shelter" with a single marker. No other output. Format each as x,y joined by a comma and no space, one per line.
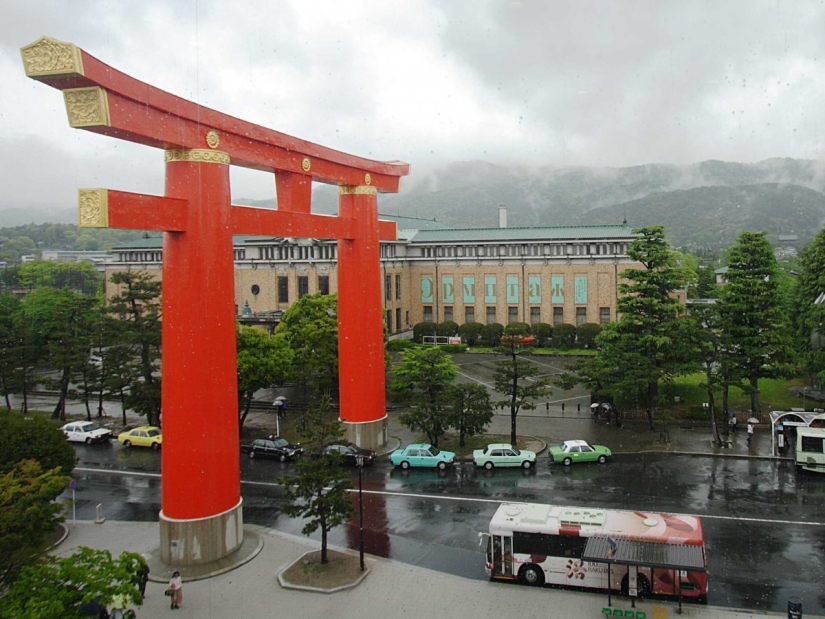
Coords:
793,418
682,557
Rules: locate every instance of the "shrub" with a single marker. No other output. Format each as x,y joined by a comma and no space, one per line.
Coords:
491,334
470,332
564,336
543,333
447,328
422,329
453,348
586,334
398,345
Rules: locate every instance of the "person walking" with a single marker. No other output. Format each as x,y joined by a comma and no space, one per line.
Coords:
733,422
142,576
176,587
750,432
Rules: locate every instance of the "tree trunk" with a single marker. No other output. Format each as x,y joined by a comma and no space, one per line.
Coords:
652,397
323,541
755,407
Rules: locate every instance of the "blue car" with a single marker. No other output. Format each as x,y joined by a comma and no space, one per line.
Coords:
422,455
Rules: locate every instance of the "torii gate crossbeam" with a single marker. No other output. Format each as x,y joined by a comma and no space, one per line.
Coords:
201,517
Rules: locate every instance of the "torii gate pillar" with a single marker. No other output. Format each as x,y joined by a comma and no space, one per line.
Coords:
201,519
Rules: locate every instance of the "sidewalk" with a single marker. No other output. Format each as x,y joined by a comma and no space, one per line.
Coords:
391,589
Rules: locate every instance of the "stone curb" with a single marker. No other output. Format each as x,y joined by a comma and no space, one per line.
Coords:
289,585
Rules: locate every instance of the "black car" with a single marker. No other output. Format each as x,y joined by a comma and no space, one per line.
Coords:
272,447
349,454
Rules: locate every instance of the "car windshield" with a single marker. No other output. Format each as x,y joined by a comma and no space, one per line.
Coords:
281,442
434,450
86,427
516,452
154,432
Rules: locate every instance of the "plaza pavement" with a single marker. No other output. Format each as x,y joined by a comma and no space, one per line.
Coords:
394,589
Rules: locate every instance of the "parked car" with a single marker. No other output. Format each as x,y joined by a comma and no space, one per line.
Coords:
349,454
86,432
579,451
503,454
272,447
142,436
422,455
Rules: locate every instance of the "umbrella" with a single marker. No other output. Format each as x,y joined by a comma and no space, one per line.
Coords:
594,405
753,420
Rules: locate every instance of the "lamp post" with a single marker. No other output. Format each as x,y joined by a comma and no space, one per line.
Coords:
359,459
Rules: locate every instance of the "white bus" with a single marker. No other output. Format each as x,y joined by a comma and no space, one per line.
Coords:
635,553
810,449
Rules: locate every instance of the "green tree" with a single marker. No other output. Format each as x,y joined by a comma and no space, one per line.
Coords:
447,328
543,333
643,347
422,378
470,332
60,586
28,513
470,410
753,314
262,361
319,492
421,329
516,378
11,379
34,438
64,322
808,308
138,305
310,328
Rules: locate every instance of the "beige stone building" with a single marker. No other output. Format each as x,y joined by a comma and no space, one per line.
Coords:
434,273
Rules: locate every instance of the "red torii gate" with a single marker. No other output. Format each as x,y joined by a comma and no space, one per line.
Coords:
201,508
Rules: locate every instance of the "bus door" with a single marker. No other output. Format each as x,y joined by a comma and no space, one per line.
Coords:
502,556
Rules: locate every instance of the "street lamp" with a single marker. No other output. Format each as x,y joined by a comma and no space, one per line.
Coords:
359,460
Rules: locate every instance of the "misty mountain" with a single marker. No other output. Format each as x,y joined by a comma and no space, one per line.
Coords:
705,204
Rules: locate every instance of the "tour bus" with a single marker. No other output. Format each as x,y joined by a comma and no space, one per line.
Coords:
637,553
810,449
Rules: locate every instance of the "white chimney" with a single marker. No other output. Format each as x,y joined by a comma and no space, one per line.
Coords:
502,216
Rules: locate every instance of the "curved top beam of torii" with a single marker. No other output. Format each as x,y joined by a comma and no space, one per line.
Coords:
104,100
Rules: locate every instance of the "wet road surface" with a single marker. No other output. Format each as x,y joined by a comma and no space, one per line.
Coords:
764,522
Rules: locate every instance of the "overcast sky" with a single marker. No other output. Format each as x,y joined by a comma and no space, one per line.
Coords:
536,82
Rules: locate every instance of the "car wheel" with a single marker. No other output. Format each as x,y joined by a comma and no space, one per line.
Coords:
531,575
88,441
442,466
282,458
155,446
567,461
251,455
405,465
526,464
488,466
602,459
127,443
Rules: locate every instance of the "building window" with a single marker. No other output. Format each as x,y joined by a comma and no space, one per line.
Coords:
581,316
535,315
469,314
283,290
398,287
558,315
323,284
303,286
512,315
491,314
398,319
387,287
604,315
448,313
428,313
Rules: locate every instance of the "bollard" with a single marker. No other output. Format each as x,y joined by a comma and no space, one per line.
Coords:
562,407
579,407
99,519
794,608
547,406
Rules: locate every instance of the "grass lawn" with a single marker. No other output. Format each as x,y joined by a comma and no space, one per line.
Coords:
774,394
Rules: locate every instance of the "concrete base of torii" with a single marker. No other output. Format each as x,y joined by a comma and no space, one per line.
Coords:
198,541
368,434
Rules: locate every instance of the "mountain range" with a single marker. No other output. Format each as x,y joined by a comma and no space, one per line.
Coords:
701,205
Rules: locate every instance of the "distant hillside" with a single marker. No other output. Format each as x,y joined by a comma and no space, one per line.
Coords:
704,204
712,217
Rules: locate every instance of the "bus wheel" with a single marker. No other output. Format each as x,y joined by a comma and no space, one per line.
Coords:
531,575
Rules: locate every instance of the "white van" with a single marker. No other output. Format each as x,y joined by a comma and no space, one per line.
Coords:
810,449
